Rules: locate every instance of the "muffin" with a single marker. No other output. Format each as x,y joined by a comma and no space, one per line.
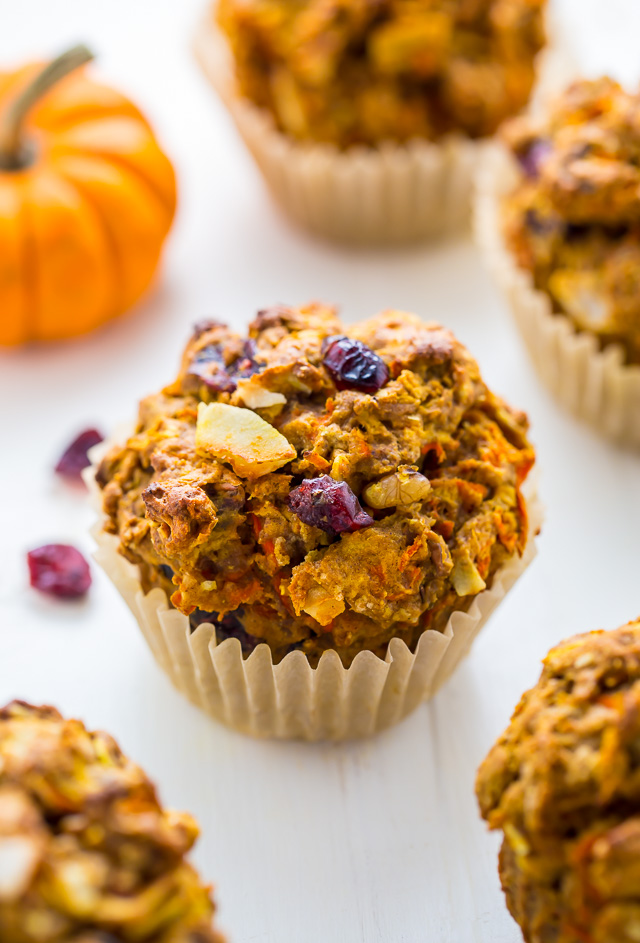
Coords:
321,490
87,853
562,783
560,217
365,117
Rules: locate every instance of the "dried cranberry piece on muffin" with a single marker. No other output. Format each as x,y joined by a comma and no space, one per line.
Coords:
573,220
420,507
563,785
88,853
349,72
353,365
328,504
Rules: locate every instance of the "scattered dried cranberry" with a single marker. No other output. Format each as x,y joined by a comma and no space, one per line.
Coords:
533,157
74,459
60,570
353,365
328,504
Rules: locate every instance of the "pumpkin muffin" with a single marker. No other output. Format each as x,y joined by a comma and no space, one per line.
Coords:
573,220
321,488
88,853
364,71
563,784
409,84
570,223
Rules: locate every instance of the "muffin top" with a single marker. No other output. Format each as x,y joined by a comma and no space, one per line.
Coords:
364,71
573,219
321,487
87,853
563,783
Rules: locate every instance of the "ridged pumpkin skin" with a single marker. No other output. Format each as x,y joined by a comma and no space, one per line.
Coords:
82,226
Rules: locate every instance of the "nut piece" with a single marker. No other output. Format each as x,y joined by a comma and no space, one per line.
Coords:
256,396
322,606
401,487
239,436
19,857
466,579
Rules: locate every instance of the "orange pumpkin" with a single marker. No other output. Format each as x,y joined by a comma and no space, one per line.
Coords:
86,200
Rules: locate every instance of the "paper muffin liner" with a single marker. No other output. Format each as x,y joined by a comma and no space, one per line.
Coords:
391,194
292,700
594,383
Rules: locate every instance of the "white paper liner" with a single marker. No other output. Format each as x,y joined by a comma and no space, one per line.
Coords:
593,383
389,195
292,700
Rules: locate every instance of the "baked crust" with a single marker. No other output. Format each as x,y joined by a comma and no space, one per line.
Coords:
233,549
364,71
563,784
573,220
88,853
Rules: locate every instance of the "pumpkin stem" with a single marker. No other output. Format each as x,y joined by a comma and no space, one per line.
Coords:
13,153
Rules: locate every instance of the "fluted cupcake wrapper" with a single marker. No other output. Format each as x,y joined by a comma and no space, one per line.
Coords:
292,700
593,383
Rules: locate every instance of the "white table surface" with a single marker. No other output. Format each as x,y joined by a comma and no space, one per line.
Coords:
371,842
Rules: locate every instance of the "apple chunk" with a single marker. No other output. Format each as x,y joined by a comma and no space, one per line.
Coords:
239,436
257,397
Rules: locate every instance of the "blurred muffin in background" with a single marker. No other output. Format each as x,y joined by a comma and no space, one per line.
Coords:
321,489
559,216
373,102
88,854
563,785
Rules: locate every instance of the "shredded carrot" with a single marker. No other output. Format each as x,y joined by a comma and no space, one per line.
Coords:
506,535
444,529
314,459
408,553
522,508
378,572
434,447
257,525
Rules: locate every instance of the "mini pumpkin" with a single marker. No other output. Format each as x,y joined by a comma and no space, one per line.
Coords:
87,198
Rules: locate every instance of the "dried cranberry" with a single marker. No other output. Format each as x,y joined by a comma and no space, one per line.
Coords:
246,369
328,504
207,324
209,366
60,570
229,626
353,365
249,348
246,366
74,459
541,225
533,157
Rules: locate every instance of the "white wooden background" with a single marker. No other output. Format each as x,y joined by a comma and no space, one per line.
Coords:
372,842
